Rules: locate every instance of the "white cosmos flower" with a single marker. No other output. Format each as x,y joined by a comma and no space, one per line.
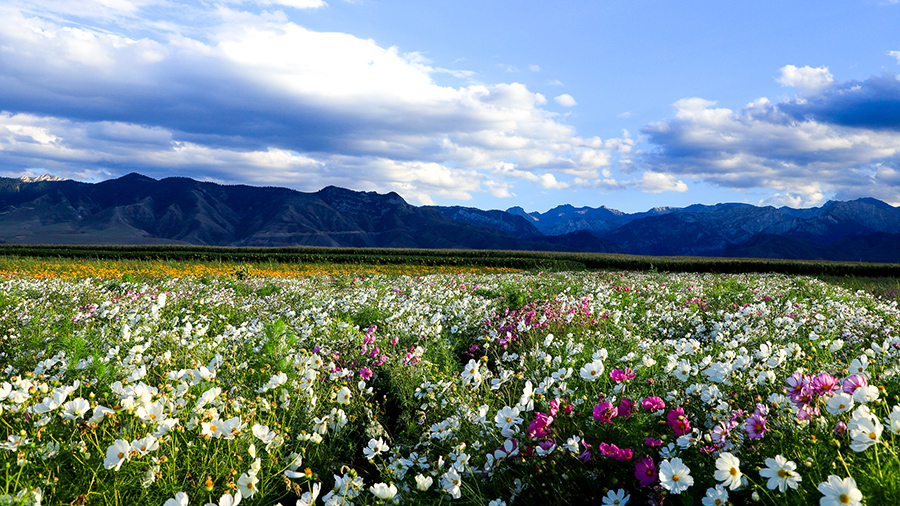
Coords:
145,445
839,403
383,491
507,416
592,370
894,421
309,498
450,482
117,454
471,374
180,499
864,432
675,476
865,394
228,500
375,447
838,492
423,482
781,473
616,498
75,409
247,484
343,396
728,470
717,496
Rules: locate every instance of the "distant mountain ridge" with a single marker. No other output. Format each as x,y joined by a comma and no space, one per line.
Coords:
135,209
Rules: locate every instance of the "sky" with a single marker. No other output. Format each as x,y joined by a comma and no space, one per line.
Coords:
488,104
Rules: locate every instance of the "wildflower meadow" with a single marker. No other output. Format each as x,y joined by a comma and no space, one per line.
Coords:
477,388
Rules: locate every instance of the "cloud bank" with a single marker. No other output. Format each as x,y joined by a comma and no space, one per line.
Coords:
838,140
243,96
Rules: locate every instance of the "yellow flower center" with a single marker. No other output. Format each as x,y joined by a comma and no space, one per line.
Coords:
121,455
783,474
873,436
734,471
675,477
844,498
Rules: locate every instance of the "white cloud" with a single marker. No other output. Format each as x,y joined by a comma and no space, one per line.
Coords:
656,182
762,146
895,54
297,4
565,100
534,68
260,99
807,80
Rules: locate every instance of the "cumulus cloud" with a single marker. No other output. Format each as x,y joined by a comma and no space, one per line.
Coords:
807,80
656,182
843,142
254,97
565,100
895,54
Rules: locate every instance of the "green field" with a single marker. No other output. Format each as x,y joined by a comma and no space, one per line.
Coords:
188,386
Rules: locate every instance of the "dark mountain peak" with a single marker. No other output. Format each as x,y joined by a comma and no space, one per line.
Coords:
875,202
134,177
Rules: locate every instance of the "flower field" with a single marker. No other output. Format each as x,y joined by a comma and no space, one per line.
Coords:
448,388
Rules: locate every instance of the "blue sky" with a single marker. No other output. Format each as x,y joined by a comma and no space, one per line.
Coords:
491,104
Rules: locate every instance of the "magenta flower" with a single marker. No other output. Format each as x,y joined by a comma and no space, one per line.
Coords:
537,429
547,444
652,442
824,384
604,412
797,387
365,373
626,407
840,429
608,450
852,382
678,421
645,471
755,426
624,454
619,375
761,409
554,407
653,403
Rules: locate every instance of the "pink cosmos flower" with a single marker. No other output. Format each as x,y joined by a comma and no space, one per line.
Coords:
755,426
807,413
852,382
608,450
624,454
652,442
604,412
626,407
840,429
537,429
645,471
678,421
619,375
796,384
824,384
554,407
653,403
365,373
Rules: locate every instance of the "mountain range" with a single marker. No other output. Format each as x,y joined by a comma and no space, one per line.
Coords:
135,209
